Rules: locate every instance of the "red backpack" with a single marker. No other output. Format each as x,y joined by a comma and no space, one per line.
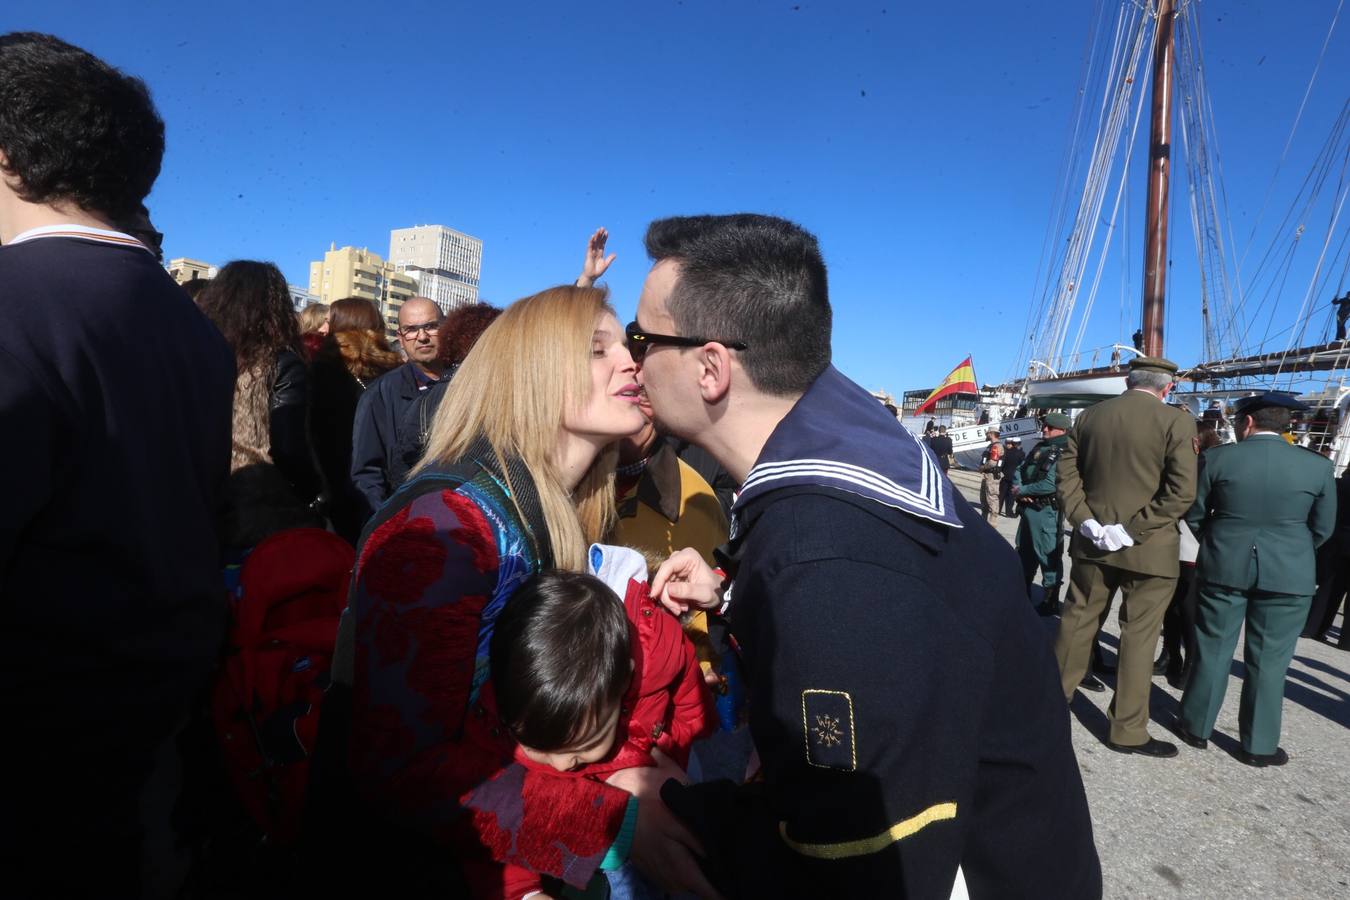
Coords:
283,626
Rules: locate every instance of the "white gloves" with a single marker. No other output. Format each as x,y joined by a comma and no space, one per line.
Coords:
1106,537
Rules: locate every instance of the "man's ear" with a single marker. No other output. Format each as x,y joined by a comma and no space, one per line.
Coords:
714,377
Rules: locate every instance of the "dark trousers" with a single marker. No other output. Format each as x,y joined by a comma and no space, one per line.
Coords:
1179,621
1005,499
1333,582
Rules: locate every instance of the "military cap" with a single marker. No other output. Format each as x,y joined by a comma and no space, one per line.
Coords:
991,430
1015,440
1153,364
1057,420
1248,405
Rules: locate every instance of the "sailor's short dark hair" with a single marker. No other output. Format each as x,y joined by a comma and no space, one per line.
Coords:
560,658
752,278
73,128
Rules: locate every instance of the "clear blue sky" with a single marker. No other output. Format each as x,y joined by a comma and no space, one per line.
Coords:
919,142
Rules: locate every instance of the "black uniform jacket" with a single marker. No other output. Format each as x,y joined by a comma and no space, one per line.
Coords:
905,705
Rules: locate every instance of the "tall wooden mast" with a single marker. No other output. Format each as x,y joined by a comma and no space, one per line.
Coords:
1159,172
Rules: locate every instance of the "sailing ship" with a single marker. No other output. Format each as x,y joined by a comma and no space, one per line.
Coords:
1161,40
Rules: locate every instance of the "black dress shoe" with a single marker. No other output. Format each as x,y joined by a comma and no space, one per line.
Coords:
1092,683
1261,760
1188,737
1151,747
1161,664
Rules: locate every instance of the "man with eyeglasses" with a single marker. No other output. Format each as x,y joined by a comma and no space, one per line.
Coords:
380,413
904,704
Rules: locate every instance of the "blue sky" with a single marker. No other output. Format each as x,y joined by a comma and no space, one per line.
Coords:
921,143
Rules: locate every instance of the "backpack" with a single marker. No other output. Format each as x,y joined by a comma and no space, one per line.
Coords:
266,700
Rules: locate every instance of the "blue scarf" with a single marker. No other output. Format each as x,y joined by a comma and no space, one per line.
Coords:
839,436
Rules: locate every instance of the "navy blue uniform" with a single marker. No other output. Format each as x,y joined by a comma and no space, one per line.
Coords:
903,696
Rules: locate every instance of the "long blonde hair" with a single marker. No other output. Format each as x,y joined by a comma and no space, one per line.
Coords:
513,388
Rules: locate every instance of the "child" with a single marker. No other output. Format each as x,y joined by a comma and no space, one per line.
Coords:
589,683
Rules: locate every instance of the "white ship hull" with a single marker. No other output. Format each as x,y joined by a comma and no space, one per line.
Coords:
968,441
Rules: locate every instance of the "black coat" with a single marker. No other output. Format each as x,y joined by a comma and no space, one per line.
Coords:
334,393
907,712
1013,457
288,426
941,445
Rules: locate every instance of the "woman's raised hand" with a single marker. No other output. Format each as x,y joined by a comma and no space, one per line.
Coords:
685,581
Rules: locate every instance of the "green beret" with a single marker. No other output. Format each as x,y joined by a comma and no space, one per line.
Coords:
1057,420
1153,364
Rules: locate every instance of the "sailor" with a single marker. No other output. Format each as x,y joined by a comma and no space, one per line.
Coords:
1261,509
1040,534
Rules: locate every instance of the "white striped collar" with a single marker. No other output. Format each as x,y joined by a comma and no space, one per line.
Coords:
838,435
82,232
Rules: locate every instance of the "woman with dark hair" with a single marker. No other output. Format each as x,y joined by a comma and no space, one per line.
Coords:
458,332
251,305
353,355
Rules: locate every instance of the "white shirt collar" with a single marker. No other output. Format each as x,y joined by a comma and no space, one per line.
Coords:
83,232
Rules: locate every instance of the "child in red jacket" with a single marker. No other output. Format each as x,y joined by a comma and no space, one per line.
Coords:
589,684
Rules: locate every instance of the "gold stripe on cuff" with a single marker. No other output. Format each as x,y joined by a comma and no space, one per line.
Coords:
899,831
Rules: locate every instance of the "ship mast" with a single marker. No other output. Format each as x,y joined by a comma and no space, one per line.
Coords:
1159,172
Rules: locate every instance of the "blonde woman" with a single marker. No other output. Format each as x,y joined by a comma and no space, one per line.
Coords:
518,476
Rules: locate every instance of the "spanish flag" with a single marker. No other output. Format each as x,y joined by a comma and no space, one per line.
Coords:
960,381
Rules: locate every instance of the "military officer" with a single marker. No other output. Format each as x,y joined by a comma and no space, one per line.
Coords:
1040,534
1261,509
1127,474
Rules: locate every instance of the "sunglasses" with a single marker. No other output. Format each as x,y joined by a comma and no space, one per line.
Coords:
639,341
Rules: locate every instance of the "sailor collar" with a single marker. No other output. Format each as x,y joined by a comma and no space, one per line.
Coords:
839,436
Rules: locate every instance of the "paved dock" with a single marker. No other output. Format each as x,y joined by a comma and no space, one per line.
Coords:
1204,825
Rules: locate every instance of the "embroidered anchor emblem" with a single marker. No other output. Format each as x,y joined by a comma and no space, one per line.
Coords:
827,731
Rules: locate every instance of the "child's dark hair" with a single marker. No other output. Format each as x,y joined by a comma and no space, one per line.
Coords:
560,657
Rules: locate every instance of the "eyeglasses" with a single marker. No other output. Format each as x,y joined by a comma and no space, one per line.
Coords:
429,328
639,341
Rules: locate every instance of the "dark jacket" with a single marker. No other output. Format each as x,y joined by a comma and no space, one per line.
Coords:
334,395
1013,458
413,430
906,706
379,430
288,426
115,399
941,445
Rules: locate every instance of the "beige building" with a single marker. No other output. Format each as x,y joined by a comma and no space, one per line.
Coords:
184,270
352,272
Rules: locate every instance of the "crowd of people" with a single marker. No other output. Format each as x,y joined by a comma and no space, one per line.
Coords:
450,616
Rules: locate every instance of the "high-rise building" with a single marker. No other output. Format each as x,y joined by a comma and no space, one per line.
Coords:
184,270
351,272
445,263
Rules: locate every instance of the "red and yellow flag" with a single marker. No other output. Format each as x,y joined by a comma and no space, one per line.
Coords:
960,381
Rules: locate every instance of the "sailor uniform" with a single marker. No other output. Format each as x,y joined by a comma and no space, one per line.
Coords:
903,696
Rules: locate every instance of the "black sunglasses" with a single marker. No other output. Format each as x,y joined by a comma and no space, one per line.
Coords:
639,341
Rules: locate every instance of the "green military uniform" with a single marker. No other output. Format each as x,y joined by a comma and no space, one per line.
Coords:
1040,534
1128,463
1261,509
